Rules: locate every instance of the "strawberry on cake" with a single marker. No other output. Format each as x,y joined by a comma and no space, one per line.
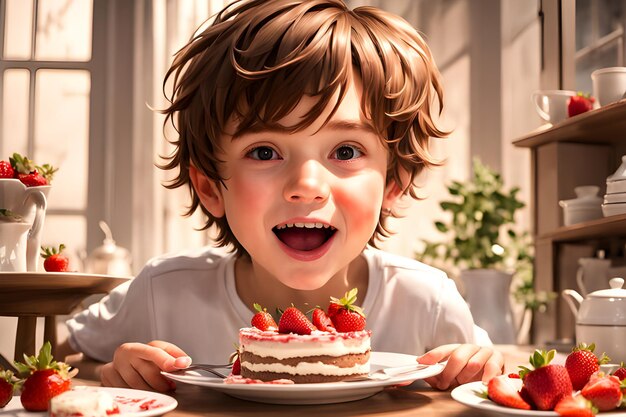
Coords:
332,347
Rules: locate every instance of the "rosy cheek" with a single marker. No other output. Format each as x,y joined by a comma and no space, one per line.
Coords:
360,205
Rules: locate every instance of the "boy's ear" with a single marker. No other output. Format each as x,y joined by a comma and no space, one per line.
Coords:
393,190
208,191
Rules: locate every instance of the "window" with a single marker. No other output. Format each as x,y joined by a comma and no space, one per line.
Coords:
45,85
600,38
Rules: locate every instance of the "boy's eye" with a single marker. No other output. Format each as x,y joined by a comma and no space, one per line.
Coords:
347,152
263,153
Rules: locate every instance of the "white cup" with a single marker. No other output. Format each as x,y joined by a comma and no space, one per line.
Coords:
609,84
552,104
13,246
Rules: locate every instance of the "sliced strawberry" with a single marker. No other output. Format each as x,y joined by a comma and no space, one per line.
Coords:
263,320
294,321
603,391
575,406
322,321
502,391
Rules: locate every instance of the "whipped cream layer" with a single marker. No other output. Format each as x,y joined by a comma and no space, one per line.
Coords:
308,368
84,403
285,346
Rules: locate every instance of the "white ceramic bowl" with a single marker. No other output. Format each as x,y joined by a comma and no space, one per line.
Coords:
613,209
615,198
609,84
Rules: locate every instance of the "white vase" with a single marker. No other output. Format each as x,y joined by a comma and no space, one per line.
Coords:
487,293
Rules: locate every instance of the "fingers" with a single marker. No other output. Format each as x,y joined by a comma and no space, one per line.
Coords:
138,365
437,354
466,363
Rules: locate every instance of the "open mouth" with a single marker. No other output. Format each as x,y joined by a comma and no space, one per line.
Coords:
304,236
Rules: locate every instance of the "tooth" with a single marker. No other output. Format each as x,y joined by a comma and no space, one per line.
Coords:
299,224
289,225
309,225
319,225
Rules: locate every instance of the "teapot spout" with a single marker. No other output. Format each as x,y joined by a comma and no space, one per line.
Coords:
573,300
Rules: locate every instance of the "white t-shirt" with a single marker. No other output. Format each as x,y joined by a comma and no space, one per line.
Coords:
190,300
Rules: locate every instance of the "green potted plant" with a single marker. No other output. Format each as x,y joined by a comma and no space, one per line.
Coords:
484,244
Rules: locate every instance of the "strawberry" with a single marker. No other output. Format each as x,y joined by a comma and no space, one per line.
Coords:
322,321
6,170
33,179
263,320
54,260
45,378
580,103
603,391
513,375
346,316
620,373
546,384
582,363
502,391
575,406
8,383
30,174
234,359
294,321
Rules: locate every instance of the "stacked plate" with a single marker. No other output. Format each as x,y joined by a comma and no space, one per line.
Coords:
615,197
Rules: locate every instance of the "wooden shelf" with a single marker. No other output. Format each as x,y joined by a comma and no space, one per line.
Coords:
598,126
612,226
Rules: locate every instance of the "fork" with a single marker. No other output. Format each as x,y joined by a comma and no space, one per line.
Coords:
211,368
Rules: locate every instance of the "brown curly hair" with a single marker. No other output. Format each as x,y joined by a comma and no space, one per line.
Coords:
259,57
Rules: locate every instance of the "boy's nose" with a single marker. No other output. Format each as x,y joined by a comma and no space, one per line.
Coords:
307,184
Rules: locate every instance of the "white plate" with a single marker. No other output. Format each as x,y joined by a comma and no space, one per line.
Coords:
322,393
467,394
134,397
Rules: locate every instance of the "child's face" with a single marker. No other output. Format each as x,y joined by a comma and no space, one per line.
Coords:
304,204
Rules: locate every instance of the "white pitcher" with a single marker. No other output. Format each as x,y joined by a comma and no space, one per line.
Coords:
30,203
13,246
487,294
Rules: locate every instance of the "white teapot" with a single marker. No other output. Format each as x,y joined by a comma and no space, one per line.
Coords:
601,319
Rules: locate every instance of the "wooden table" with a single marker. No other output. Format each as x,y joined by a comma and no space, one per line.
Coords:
194,401
28,295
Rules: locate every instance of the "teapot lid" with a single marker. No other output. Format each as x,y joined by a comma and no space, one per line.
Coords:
616,290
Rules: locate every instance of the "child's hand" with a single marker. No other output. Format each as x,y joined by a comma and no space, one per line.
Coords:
466,363
137,365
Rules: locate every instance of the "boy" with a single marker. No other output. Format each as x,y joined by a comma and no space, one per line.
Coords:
300,125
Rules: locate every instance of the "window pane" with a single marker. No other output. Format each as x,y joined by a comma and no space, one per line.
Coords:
15,112
598,58
18,29
64,30
61,133
583,24
610,16
69,230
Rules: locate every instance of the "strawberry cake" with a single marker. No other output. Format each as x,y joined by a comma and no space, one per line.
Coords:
317,357
331,347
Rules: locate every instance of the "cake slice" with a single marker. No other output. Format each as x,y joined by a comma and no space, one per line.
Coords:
333,347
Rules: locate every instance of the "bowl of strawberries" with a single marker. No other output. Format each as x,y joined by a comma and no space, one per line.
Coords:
24,188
